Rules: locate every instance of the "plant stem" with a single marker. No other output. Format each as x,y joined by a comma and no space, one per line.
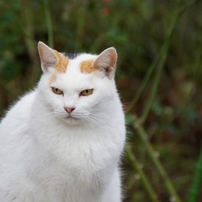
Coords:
163,56
196,187
142,87
27,25
80,25
49,22
146,79
143,177
154,157
160,61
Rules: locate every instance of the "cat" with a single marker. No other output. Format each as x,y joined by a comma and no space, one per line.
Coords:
62,142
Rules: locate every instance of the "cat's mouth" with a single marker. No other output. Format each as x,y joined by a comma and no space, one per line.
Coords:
71,120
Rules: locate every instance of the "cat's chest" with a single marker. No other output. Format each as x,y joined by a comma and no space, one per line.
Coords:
80,149
72,162
86,153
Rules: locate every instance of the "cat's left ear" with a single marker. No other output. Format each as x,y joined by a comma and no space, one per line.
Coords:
47,56
106,62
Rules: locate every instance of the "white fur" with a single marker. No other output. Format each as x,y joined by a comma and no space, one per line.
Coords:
47,157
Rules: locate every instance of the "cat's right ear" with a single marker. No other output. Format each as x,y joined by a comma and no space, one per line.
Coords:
106,62
47,56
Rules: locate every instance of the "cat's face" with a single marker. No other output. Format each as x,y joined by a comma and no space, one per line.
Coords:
77,90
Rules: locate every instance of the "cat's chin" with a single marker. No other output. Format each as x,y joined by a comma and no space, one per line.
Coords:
71,120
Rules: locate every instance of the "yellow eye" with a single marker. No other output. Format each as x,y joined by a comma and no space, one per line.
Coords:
57,91
86,92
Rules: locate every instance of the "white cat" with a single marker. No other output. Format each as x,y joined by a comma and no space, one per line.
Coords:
62,142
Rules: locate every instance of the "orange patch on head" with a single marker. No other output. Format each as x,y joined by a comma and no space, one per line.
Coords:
87,66
53,77
62,63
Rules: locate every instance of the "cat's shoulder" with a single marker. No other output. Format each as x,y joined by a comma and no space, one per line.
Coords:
26,100
21,107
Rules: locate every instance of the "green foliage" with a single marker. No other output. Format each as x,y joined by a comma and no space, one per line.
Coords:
197,185
159,77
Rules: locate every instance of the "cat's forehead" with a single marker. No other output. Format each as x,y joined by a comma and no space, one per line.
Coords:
73,69
71,80
83,63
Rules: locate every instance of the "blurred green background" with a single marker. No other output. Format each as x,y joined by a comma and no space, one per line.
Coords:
138,29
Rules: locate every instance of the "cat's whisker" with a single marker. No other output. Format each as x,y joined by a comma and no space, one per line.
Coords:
93,119
48,115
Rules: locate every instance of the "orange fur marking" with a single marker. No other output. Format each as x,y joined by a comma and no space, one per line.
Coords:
62,63
53,77
87,66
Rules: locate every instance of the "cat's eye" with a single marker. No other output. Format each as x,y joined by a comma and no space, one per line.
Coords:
57,91
86,92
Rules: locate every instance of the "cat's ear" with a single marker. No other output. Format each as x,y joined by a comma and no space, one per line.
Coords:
106,62
47,56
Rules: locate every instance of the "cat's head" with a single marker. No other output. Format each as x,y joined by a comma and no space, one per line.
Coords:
80,88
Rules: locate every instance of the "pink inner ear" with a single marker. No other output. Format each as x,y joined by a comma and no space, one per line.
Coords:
48,63
107,61
47,56
107,69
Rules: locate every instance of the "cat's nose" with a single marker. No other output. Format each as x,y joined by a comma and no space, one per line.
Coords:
69,109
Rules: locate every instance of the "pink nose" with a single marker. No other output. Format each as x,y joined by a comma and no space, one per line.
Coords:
69,109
